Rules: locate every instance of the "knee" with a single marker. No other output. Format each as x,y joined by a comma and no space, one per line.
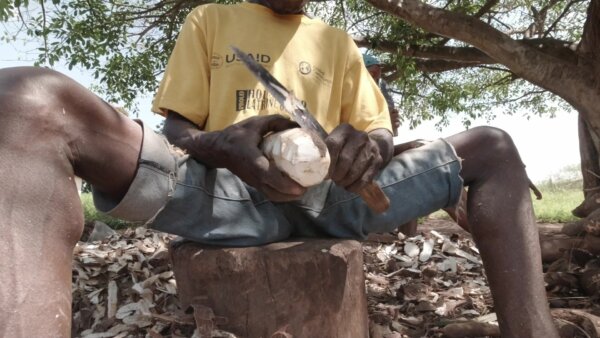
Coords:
487,152
30,91
495,142
39,100
30,81
32,110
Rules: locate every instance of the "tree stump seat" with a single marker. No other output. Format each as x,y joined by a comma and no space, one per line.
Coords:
300,288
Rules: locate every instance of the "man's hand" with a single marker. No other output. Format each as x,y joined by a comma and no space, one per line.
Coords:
238,145
356,157
395,117
237,149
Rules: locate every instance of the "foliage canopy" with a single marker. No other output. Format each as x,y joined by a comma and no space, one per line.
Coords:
126,44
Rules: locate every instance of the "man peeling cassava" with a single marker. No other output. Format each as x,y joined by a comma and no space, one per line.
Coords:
225,191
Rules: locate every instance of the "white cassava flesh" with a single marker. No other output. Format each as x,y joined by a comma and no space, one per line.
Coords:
294,152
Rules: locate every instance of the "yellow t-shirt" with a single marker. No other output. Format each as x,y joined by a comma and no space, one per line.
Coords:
205,82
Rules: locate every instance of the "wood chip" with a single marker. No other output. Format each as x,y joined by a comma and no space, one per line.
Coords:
111,305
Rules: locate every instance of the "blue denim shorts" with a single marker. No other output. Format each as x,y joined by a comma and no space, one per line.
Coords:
177,194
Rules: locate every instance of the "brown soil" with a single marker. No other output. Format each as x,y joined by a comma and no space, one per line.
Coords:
448,227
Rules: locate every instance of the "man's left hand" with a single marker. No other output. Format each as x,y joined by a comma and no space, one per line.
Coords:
355,157
395,117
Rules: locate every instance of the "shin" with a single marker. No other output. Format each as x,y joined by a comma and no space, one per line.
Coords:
501,219
51,129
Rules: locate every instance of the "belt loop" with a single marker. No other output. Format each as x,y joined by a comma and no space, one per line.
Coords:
172,183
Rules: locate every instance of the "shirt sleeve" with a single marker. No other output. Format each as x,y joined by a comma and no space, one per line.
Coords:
185,84
363,104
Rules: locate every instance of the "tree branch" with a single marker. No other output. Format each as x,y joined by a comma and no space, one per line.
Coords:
485,8
44,32
438,66
557,48
564,12
572,82
515,99
590,41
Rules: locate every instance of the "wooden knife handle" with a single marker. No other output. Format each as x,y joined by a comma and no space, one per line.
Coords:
375,197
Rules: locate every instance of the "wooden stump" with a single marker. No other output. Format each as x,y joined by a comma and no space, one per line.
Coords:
575,321
312,288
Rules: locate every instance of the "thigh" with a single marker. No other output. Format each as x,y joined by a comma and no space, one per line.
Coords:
177,194
213,206
417,182
174,193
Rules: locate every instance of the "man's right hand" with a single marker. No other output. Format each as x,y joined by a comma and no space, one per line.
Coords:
237,149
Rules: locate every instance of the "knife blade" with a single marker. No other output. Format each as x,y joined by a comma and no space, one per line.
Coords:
371,193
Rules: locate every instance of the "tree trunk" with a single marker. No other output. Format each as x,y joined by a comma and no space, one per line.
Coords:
590,167
589,137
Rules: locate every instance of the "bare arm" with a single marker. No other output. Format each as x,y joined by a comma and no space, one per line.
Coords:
198,143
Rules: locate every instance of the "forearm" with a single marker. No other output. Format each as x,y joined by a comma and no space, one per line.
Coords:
184,134
385,142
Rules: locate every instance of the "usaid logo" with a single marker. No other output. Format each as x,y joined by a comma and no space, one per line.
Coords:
304,68
260,58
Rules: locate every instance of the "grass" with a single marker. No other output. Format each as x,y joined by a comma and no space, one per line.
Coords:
91,214
559,198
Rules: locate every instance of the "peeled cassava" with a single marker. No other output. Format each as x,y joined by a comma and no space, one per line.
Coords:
303,158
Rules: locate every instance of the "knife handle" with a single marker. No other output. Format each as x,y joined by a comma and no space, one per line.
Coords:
375,198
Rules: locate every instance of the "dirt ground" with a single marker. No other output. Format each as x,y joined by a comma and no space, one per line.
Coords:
404,307
448,227
429,285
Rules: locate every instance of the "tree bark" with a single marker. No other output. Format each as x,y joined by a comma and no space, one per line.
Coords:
590,167
303,289
590,41
561,49
589,137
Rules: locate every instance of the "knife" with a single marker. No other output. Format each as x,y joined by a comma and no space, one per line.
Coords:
371,193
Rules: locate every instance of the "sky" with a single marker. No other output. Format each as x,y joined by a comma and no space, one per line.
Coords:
546,145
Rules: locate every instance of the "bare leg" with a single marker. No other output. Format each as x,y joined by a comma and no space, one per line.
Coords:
501,220
409,228
51,129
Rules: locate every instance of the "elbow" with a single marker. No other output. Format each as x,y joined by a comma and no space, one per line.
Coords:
171,133
178,130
